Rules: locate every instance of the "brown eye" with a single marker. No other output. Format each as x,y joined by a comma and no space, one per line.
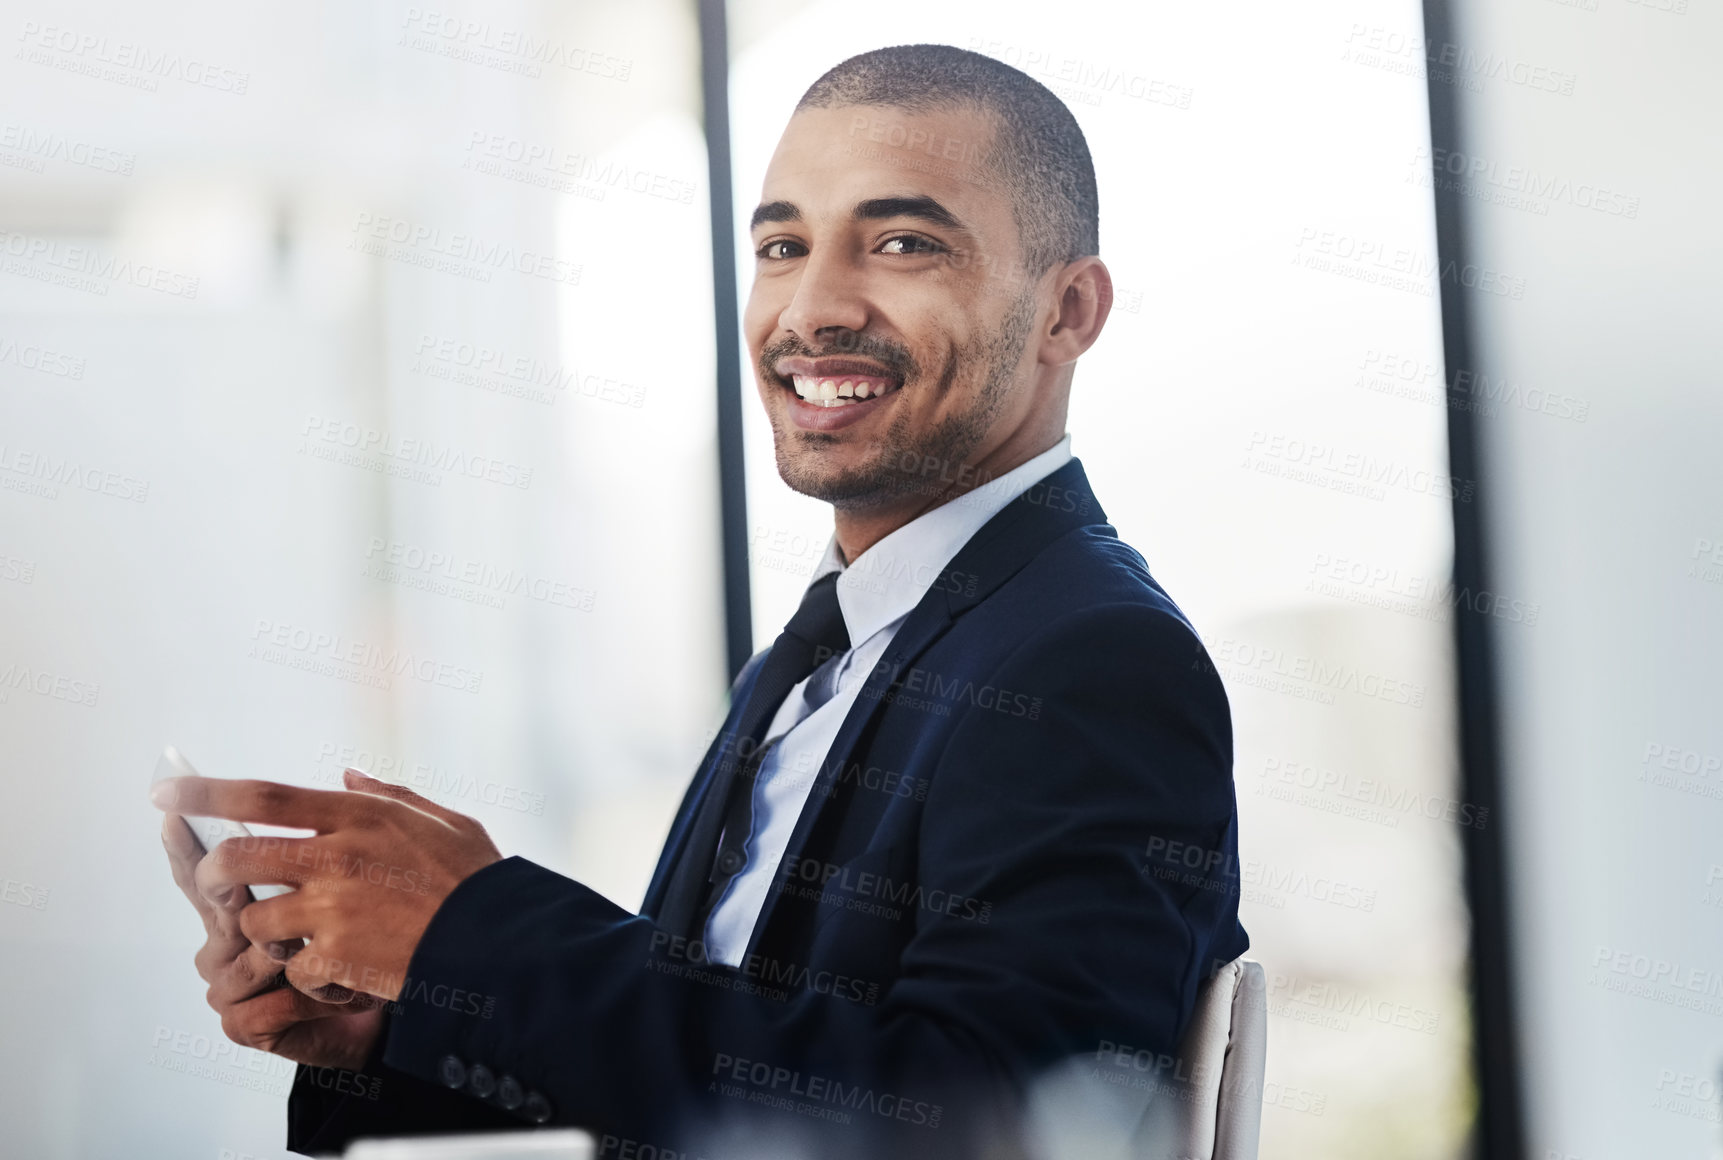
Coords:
777,251
910,244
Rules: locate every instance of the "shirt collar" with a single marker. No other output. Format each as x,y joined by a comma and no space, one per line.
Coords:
880,586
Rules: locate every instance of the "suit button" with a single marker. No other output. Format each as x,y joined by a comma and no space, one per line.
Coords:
730,861
537,1108
453,1071
509,1094
480,1081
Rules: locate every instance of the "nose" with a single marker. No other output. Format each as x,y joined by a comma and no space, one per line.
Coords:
828,300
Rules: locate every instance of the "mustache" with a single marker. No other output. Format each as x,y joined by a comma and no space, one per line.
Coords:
893,357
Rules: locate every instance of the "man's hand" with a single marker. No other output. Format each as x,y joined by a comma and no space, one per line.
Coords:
380,863
246,986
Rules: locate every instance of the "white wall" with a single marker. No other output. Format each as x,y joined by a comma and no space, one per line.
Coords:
578,740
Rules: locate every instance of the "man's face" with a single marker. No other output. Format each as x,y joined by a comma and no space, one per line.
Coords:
889,315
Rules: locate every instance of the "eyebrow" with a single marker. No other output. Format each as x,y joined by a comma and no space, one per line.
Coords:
921,207
775,211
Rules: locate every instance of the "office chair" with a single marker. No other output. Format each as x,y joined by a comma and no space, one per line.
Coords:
1214,1111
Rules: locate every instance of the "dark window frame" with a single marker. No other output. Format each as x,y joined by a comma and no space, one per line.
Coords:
1499,1131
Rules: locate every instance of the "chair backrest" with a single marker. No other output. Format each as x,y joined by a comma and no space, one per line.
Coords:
1128,1103
1208,1105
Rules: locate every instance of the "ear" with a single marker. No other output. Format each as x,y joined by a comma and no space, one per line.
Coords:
1083,291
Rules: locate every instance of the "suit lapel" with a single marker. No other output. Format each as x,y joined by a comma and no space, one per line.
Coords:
1058,504
698,787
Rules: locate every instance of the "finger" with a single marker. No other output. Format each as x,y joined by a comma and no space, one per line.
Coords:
223,920
281,919
315,975
279,1006
256,861
255,801
280,928
223,874
316,971
334,994
184,853
261,1020
364,783
280,950
219,897
216,956
254,971
248,973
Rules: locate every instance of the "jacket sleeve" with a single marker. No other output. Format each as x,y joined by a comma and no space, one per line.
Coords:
1100,758
329,1106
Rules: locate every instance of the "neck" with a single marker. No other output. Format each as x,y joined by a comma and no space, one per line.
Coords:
859,529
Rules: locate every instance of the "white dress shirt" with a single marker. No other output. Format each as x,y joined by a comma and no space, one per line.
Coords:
876,593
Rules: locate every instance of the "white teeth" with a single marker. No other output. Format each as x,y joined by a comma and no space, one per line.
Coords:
838,392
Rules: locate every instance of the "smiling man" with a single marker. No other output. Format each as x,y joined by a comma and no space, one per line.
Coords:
969,818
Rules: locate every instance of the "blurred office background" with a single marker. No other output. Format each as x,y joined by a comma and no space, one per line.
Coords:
364,332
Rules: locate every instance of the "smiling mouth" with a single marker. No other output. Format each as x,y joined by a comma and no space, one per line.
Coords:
842,391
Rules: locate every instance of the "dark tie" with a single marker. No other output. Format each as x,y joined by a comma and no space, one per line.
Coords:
814,635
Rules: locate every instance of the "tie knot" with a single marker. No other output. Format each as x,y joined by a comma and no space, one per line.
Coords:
819,622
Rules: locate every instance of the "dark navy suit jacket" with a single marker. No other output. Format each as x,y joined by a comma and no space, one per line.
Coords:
1021,849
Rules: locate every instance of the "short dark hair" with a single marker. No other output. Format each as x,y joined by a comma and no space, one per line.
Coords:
1038,148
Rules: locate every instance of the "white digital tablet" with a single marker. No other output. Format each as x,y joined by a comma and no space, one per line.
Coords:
210,832
561,1144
